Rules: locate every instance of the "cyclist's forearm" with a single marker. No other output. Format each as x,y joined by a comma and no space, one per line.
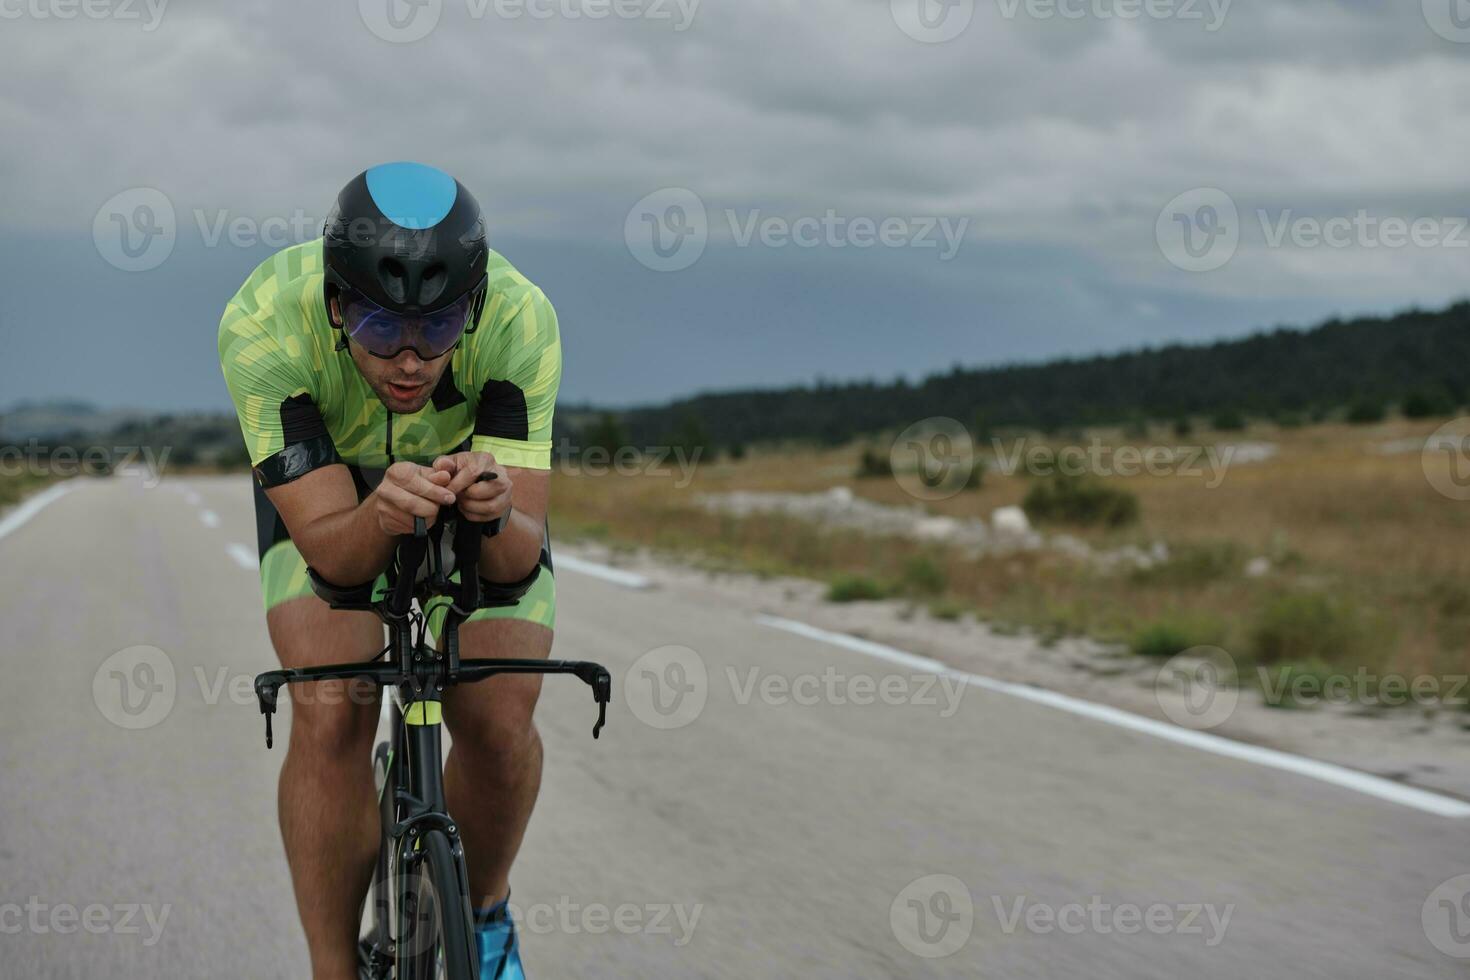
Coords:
349,547
513,553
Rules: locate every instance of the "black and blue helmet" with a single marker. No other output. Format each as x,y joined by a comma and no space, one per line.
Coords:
407,238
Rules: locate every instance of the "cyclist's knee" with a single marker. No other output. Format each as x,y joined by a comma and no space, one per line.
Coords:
330,719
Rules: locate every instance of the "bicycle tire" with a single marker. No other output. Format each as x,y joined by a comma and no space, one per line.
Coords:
436,935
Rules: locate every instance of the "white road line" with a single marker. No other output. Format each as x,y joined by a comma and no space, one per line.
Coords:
34,505
1383,789
244,556
209,518
629,580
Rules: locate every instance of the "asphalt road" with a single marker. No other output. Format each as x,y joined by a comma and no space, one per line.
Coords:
758,821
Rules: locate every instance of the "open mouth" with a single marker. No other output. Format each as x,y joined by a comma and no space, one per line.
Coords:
405,392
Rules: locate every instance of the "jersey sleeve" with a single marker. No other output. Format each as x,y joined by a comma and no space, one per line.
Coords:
519,371
283,429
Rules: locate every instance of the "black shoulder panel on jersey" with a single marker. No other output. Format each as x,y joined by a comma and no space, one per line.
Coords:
301,420
294,462
446,392
502,412
308,444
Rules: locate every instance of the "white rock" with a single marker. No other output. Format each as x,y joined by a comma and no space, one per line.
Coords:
1010,520
936,528
1258,567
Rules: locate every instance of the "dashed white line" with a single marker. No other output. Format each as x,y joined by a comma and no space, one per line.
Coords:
34,505
244,556
1326,772
607,573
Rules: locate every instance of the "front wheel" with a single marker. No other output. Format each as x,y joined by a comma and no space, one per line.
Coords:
436,934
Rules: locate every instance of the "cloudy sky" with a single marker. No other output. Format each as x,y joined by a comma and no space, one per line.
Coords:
718,193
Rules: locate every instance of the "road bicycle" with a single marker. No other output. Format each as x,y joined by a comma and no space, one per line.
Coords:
422,922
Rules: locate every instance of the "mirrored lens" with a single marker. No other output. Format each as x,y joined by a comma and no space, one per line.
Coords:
386,334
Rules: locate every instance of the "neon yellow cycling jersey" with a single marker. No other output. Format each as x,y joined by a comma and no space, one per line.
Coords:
303,404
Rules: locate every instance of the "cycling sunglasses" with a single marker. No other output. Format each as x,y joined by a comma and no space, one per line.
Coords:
386,334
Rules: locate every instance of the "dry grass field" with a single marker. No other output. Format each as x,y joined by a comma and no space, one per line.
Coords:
1368,562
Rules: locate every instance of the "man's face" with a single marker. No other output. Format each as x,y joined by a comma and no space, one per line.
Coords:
404,384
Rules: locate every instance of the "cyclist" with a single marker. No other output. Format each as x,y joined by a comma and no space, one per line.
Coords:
379,373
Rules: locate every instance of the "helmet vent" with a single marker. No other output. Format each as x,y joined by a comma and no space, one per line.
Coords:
394,278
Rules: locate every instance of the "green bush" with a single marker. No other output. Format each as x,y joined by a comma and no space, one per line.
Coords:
1366,412
854,588
1194,564
1228,421
1170,635
873,464
1427,405
923,576
1306,627
1079,501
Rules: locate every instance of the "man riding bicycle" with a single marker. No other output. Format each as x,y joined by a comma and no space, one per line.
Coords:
382,373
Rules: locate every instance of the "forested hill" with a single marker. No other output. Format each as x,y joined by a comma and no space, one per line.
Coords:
1370,363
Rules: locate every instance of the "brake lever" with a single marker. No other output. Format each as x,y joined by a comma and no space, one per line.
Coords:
596,677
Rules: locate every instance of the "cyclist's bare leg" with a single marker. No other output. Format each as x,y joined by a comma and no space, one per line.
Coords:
493,772
328,806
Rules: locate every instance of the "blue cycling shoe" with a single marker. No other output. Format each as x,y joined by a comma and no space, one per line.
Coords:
500,948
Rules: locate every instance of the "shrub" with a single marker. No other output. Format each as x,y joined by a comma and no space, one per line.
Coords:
1194,564
923,576
1183,427
1170,635
1426,405
1306,627
1081,501
854,588
1228,421
1366,412
873,464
